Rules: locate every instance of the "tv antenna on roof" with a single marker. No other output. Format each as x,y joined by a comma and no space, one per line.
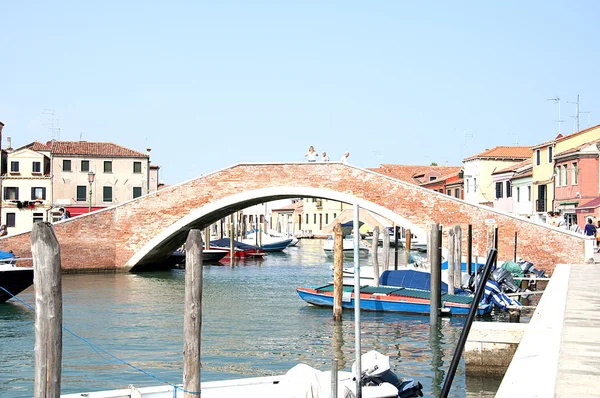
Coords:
588,113
576,112
557,100
52,123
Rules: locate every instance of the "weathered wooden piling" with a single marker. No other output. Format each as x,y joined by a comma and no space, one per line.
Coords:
491,233
338,263
192,317
374,246
386,251
458,256
515,255
395,247
207,237
451,267
407,247
231,246
45,251
469,248
435,260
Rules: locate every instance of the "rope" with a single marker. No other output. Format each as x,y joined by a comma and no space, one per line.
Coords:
101,351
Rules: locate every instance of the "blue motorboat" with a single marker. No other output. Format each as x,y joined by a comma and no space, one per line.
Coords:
13,279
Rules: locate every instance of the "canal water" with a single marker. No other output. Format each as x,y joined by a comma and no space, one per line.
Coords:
254,324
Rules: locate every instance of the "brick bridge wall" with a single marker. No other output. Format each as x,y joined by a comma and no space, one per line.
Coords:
146,229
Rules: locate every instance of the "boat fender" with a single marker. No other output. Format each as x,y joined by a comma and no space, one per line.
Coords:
135,393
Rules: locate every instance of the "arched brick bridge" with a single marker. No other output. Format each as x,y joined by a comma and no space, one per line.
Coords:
145,230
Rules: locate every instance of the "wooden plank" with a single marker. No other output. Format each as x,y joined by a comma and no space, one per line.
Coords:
192,317
45,251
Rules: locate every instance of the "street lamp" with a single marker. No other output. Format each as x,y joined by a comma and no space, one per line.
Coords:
91,176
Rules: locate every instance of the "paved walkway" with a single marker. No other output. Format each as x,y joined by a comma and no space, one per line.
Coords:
579,358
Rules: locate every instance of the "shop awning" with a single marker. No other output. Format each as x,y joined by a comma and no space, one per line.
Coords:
77,211
592,204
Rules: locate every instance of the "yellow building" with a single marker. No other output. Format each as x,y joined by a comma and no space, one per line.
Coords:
542,159
317,214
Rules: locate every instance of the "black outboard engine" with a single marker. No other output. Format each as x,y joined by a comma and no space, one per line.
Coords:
377,371
505,279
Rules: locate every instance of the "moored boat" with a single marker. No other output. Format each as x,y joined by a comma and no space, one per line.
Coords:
13,279
348,247
391,299
268,243
241,250
209,256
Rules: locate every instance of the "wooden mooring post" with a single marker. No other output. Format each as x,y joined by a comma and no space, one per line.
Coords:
45,251
192,317
458,256
374,245
515,256
470,248
386,251
407,247
451,254
338,264
435,260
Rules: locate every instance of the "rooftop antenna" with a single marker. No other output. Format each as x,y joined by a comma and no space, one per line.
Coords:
576,112
468,138
557,100
589,121
52,123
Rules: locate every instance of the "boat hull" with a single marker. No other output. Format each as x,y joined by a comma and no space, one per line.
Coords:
349,253
15,280
383,303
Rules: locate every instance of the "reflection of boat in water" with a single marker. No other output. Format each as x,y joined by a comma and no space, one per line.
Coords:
13,279
348,247
241,250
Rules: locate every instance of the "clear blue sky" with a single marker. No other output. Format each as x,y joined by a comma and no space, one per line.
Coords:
210,84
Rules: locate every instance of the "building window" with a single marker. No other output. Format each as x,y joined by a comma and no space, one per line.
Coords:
108,166
137,192
474,184
456,193
137,167
432,178
107,194
575,172
529,193
85,165
38,193
537,157
566,175
518,194
326,218
315,218
14,167
449,192
307,219
11,193
498,190
81,193
66,165
334,215
549,154
36,167
10,219
558,175
467,185
508,190
38,217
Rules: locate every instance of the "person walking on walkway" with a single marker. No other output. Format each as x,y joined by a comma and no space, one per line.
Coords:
311,155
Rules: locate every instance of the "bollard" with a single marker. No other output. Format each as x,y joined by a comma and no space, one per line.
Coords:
450,261
436,271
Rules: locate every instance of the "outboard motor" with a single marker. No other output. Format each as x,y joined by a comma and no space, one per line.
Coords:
505,279
377,371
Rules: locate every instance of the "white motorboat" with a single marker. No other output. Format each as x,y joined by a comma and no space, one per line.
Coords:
300,381
348,247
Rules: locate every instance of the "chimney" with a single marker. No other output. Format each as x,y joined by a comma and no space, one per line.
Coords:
8,144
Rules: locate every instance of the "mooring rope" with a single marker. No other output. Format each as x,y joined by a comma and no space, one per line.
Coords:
100,351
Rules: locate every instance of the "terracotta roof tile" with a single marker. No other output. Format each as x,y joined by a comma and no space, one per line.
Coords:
408,173
577,148
504,152
35,146
104,149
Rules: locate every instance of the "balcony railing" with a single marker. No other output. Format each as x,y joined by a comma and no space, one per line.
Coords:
540,205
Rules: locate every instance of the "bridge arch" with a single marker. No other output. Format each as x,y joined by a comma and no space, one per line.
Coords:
134,232
211,212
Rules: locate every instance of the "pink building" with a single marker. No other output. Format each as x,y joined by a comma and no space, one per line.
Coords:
576,186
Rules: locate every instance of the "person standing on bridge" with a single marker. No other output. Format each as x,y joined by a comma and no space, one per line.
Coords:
311,155
589,229
324,157
344,158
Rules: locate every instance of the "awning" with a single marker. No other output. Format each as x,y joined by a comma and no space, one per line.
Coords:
567,207
589,206
77,211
